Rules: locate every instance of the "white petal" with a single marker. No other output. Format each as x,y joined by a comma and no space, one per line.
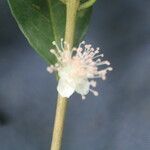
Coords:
64,89
83,87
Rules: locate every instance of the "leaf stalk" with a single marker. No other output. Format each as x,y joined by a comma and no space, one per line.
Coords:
87,4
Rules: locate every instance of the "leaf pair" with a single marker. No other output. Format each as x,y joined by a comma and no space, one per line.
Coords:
43,21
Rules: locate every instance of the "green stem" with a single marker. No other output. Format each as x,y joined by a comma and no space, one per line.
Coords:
59,123
62,102
72,8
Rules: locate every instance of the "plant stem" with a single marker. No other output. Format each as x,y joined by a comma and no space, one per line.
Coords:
59,123
62,102
72,8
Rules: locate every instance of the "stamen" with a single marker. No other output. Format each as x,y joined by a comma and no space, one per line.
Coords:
103,63
102,73
50,69
83,97
83,42
94,92
98,60
87,47
57,47
55,53
62,46
93,83
100,55
97,50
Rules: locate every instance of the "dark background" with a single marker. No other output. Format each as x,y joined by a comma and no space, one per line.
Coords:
119,119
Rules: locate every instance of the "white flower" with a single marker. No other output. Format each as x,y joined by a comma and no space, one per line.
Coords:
77,68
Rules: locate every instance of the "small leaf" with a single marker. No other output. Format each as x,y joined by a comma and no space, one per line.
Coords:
43,21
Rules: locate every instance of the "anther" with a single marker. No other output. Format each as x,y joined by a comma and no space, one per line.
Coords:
93,83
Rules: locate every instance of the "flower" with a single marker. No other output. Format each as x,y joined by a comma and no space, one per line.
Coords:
78,68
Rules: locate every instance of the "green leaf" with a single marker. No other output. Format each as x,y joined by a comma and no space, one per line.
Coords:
43,21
